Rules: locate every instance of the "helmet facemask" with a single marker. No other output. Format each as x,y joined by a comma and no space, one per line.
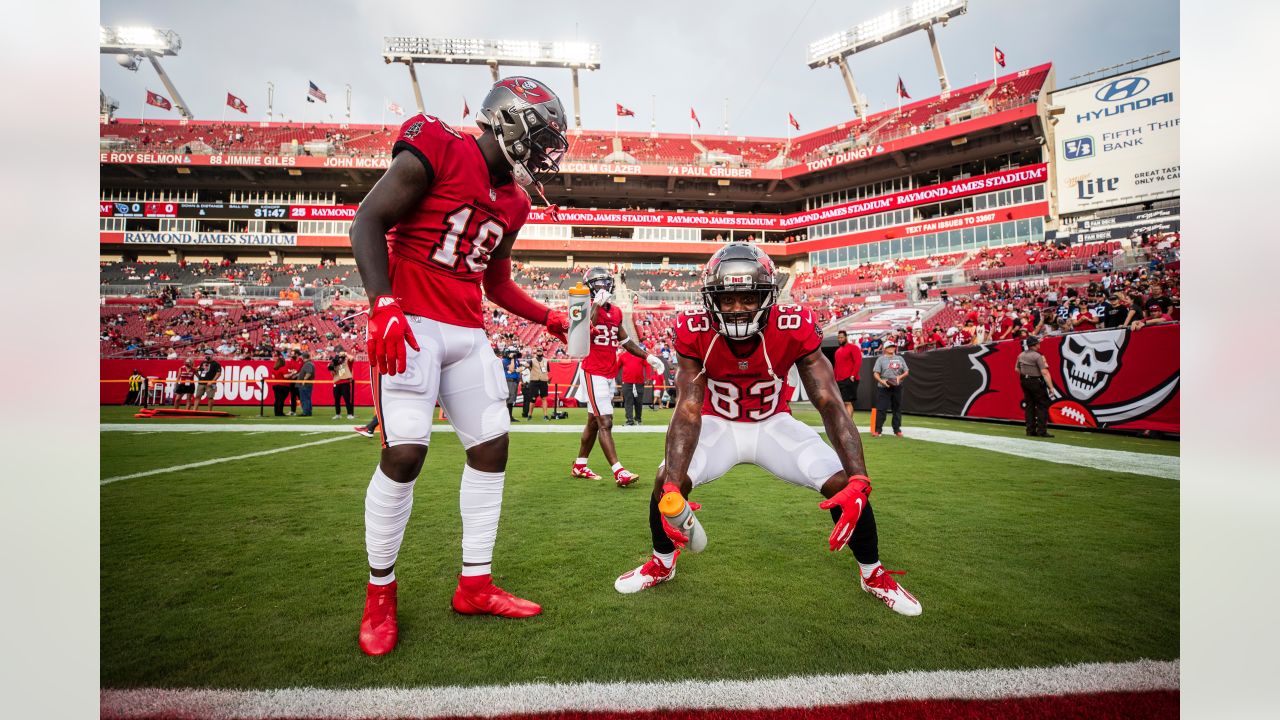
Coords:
739,325
532,147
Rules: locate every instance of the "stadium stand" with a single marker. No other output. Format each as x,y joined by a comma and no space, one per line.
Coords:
373,140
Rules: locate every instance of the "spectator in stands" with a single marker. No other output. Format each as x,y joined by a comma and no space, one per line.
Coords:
306,376
890,370
207,375
344,386
848,369
278,380
634,369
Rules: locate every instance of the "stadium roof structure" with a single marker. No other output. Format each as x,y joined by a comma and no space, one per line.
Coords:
572,54
919,15
131,44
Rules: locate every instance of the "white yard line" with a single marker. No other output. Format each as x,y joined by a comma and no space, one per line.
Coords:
215,461
1161,466
792,692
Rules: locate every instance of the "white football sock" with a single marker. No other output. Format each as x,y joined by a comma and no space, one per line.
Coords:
480,502
616,467
580,461
387,504
868,569
385,580
665,558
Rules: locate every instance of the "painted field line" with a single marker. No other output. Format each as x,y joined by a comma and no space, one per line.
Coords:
1162,466
775,693
215,461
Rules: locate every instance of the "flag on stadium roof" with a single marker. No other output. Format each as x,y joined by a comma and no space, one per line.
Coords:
395,108
623,112
794,123
902,89
236,103
315,92
693,115
466,109
158,100
999,57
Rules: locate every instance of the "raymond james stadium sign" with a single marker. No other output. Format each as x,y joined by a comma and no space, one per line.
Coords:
208,238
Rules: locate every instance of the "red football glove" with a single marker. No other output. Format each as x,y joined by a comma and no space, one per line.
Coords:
558,325
386,334
850,500
677,537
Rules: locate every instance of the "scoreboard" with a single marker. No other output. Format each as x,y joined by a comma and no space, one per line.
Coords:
203,211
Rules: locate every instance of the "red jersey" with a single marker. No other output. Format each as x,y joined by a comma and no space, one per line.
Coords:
848,362
186,374
740,386
438,253
634,369
602,360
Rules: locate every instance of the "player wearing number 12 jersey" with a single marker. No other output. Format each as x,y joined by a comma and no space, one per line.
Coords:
437,226
733,408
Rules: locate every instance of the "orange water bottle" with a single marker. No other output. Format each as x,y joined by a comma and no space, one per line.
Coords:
681,517
579,321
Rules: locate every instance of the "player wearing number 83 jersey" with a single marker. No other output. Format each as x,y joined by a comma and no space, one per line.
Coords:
735,355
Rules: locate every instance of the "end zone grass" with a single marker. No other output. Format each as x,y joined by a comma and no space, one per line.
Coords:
250,574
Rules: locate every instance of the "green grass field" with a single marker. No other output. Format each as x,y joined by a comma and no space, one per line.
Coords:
250,573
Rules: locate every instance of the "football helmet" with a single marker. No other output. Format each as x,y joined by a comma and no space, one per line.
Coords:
528,121
739,267
598,278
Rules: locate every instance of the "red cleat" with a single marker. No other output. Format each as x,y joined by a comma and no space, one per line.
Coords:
378,630
479,596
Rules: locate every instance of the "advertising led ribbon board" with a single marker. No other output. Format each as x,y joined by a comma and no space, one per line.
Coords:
1117,141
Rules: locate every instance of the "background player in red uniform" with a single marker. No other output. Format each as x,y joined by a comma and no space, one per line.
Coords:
599,373
733,408
437,225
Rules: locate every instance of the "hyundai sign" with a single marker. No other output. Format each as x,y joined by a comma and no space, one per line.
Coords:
1117,140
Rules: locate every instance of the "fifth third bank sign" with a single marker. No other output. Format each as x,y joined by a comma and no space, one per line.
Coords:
1117,141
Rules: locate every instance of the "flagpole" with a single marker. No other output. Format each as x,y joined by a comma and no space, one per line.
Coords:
384,111
653,113
993,64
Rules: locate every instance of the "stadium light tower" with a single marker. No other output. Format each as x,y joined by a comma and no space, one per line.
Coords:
131,44
572,54
919,15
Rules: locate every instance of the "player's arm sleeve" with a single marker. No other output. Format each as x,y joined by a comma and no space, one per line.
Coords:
502,290
426,140
807,338
687,340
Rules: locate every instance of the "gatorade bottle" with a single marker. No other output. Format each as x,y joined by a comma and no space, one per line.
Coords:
681,517
579,321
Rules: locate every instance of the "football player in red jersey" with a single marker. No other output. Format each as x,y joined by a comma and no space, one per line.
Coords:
733,408
435,228
599,372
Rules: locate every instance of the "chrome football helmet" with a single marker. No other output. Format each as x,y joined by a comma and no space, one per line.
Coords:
528,121
598,278
739,267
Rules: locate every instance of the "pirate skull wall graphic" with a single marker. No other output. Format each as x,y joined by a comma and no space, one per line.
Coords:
1090,360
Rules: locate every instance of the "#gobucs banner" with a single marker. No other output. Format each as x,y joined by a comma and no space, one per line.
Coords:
241,381
1111,378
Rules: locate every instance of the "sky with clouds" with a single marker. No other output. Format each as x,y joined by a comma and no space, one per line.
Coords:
681,53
